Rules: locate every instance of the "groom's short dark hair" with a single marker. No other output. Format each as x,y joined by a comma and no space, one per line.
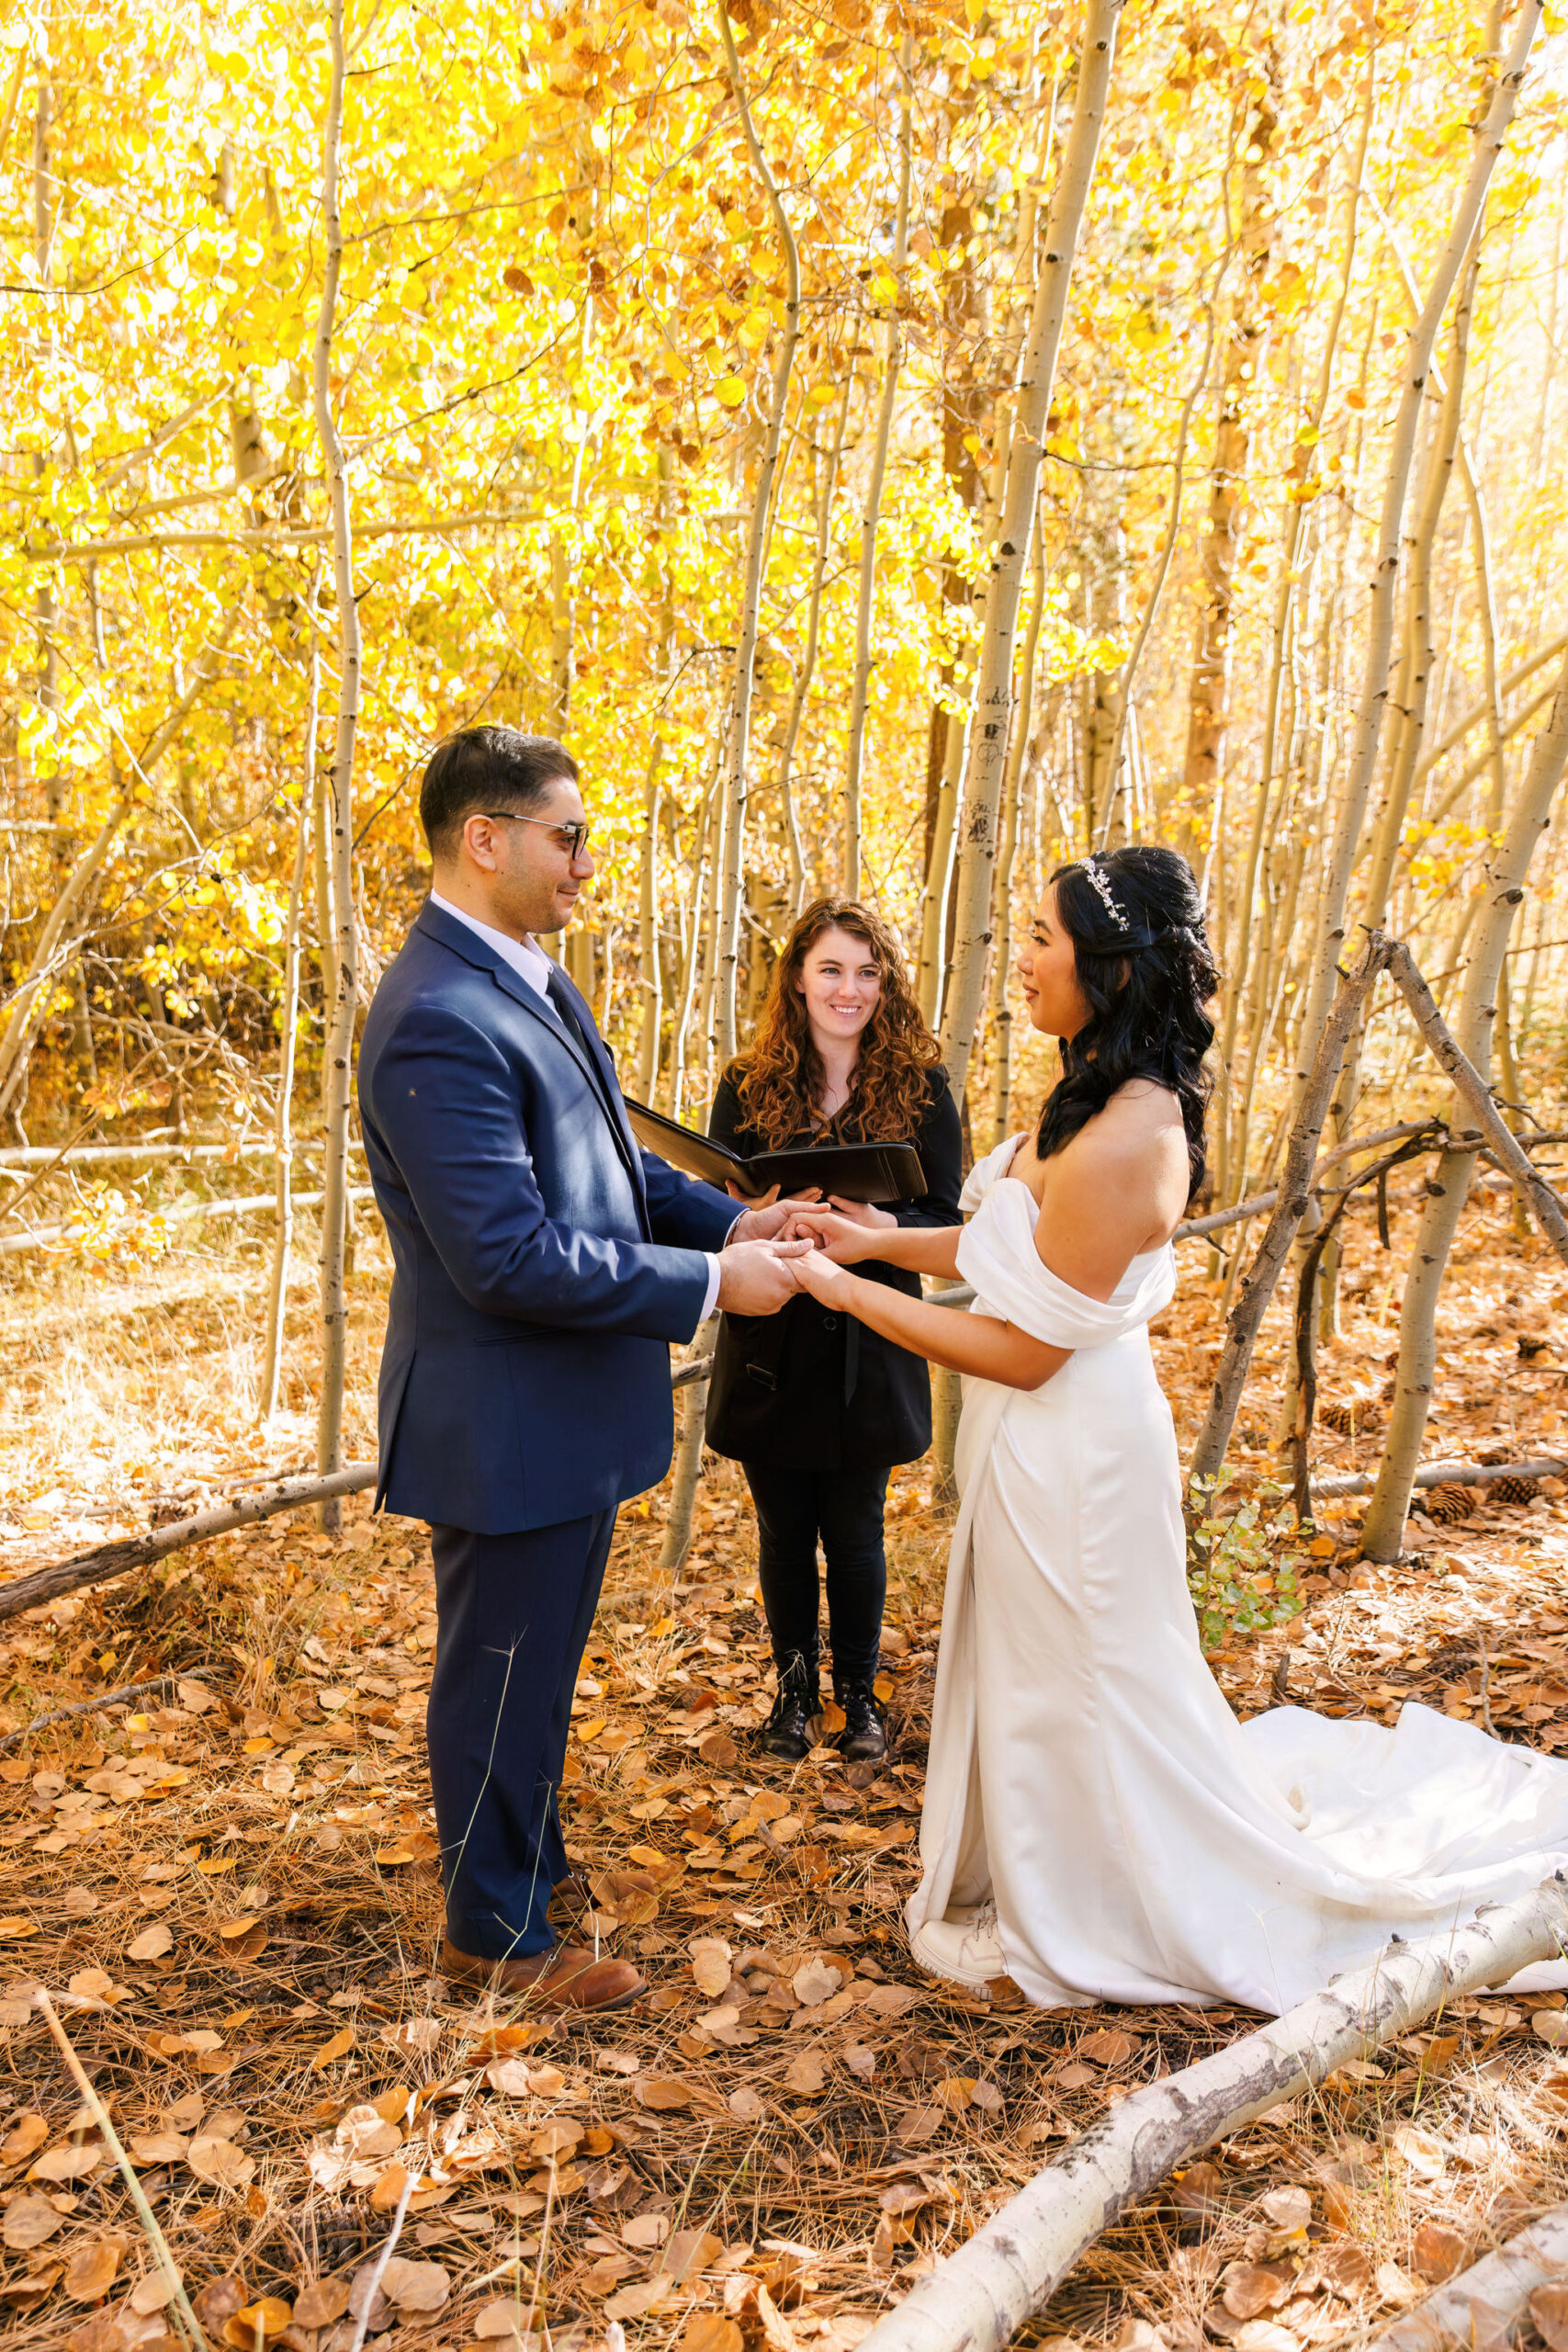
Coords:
486,767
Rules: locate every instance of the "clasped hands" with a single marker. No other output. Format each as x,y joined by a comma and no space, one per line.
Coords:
779,1248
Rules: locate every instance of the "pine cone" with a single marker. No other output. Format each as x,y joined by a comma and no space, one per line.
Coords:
1348,1414
1447,1503
1515,1489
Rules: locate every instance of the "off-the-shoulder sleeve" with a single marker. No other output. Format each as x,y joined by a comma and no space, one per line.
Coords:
998,1255
985,1172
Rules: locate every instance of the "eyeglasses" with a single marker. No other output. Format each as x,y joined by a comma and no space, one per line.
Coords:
574,836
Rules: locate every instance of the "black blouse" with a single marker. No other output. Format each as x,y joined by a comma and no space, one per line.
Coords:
813,1389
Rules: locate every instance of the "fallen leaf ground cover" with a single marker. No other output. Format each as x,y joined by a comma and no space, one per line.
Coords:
229,1887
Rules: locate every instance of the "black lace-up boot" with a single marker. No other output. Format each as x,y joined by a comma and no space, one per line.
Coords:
864,1739
786,1735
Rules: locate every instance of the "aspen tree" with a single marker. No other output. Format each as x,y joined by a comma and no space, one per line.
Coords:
736,791
340,808
1421,340
993,693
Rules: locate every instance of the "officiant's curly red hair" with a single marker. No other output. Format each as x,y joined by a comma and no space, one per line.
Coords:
781,1072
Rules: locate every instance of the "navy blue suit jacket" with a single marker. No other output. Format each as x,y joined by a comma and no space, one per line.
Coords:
542,1263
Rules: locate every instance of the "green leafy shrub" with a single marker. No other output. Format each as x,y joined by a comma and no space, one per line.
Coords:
1239,1573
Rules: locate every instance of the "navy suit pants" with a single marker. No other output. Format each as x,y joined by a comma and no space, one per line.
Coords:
513,1617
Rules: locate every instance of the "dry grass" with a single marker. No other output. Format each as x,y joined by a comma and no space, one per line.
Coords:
783,2160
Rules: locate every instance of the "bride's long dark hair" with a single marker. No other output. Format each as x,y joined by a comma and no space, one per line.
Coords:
1143,961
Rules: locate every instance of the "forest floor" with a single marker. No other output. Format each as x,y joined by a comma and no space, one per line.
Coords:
232,1898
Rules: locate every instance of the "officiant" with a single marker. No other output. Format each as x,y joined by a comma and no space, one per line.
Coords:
816,1409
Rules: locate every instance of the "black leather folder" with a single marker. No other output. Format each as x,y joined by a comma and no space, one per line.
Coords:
855,1171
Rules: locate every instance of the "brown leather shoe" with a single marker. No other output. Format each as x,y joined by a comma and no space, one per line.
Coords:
571,1897
567,1977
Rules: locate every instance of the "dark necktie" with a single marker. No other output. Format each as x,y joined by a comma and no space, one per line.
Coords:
570,1020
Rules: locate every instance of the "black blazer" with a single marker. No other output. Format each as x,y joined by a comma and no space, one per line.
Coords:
810,1389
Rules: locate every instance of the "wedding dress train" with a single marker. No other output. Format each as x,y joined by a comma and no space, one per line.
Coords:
1098,1826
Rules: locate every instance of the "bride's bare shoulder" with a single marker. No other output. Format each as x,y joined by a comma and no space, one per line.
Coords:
1144,1104
1133,1154
1140,1119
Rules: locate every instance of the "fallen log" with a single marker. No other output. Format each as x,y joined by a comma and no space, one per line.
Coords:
128,1551
104,1699
1485,2305
1448,1474
978,2299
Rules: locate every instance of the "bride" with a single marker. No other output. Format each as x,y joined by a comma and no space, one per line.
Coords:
1098,1826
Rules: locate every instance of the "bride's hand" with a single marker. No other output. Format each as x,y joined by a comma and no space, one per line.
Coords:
816,1273
844,1239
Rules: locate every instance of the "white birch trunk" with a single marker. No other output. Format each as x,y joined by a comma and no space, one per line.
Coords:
993,699
340,784
1012,797
57,942
979,2298
283,1227
865,607
1478,712
1172,520
687,1473
1241,1335
1467,2310
650,972
1382,1531
1230,1173
738,779
695,929
930,975
802,695
1367,730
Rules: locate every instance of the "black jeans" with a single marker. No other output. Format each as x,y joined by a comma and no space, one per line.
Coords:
844,1508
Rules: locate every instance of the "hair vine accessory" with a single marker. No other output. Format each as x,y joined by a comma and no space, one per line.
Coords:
1101,888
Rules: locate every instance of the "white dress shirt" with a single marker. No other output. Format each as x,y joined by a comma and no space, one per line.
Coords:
532,963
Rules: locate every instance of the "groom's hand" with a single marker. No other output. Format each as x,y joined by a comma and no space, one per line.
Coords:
754,1277
767,1217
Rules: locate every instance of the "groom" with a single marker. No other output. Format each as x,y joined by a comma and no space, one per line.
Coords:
542,1267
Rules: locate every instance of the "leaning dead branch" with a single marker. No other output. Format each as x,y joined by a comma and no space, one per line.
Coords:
979,2298
1470,1087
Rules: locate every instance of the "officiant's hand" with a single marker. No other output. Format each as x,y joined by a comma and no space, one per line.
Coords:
766,1217
758,1277
865,1213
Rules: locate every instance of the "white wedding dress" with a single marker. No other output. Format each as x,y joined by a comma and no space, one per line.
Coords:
1098,1826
